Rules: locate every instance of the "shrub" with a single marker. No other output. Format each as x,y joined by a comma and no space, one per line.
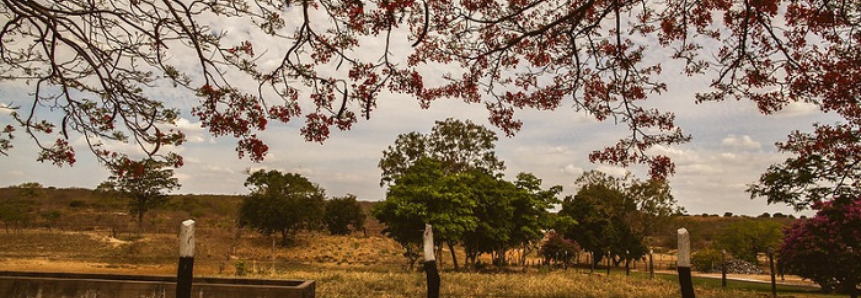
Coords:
241,268
825,247
557,248
706,260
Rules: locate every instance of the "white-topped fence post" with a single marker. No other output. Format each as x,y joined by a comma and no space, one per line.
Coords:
184,271
433,279
684,264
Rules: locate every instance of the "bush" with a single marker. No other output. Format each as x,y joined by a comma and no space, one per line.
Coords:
241,268
558,249
77,204
825,248
706,260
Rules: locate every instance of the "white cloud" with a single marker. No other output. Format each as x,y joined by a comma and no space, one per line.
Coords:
5,109
559,150
573,170
797,109
744,142
613,171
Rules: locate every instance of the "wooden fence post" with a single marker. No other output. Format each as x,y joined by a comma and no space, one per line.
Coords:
723,268
273,255
433,279
591,258
852,280
684,264
627,264
184,271
608,263
651,264
771,266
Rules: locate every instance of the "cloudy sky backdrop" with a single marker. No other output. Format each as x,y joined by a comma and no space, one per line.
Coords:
732,143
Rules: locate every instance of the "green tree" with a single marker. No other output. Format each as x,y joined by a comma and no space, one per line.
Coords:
458,146
597,208
617,214
142,183
745,239
344,214
655,206
531,212
15,212
825,165
494,212
425,193
281,203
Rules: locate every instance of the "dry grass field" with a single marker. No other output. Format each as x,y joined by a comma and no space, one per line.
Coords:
96,235
343,266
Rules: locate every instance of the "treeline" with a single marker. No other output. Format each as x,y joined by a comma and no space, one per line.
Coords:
285,203
32,205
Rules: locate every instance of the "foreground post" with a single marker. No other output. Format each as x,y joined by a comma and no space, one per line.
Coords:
723,268
591,258
627,264
684,264
433,279
651,264
852,280
185,270
771,265
608,263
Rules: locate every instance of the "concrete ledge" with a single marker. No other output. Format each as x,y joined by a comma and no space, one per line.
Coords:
76,285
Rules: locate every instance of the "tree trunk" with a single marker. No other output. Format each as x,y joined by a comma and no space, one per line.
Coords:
140,222
284,233
453,255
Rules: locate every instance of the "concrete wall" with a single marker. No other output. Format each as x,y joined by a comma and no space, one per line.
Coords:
71,285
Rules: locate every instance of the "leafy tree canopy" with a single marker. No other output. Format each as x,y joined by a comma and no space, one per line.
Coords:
458,145
344,214
281,203
93,66
474,208
615,214
745,239
825,164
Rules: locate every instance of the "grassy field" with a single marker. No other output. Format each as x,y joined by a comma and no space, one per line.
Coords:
344,266
96,235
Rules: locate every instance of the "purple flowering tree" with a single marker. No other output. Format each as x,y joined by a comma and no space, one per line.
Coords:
827,247
558,249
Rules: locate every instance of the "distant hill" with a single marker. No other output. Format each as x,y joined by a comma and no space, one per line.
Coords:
81,208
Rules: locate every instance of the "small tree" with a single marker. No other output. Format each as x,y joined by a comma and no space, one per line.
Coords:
344,213
827,247
745,239
142,182
706,260
51,217
16,212
557,248
281,203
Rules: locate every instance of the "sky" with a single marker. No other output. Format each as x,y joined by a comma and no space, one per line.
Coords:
732,144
